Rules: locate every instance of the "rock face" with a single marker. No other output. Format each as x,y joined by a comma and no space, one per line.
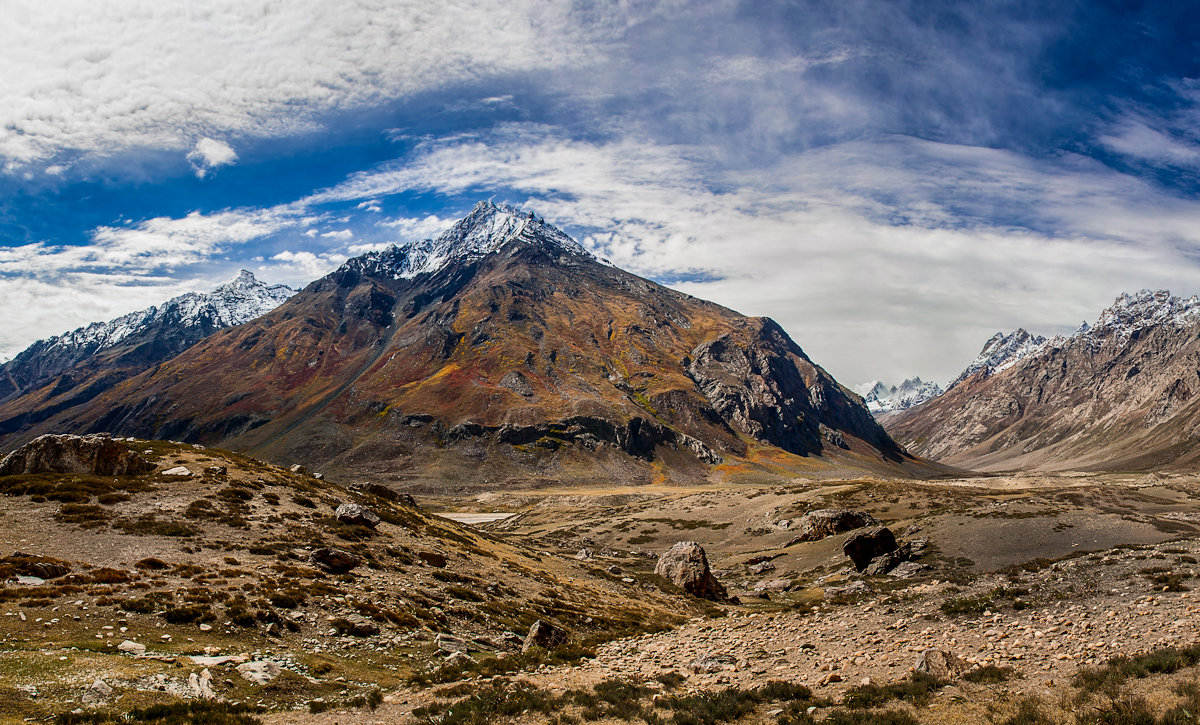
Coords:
823,523
545,635
863,548
1121,394
352,513
335,561
686,566
94,454
501,335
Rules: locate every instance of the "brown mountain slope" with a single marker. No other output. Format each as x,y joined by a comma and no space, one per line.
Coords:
500,350
1122,395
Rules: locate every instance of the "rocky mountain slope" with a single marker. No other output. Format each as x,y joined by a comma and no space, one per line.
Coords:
68,370
1119,394
883,398
498,349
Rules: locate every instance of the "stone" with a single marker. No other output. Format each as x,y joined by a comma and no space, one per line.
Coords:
352,513
31,566
884,563
686,566
259,672
450,643
362,628
460,658
319,476
177,471
200,685
217,660
297,468
584,554
215,470
92,454
907,569
940,664
762,567
99,690
862,548
823,523
334,560
712,663
133,648
432,558
206,627
853,588
773,585
545,635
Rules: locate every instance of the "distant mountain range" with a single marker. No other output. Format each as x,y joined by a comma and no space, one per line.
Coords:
500,349
883,398
68,370
1123,393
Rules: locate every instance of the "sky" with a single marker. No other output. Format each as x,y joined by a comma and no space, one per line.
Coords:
893,182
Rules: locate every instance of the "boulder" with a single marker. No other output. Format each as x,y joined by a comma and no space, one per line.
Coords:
686,566
584,554
940,664
545,635
352,513
450,643
334,560
177,471
92,454
907,569
432,558
884,563
823,523
216,470
297,468
259,672
200,685
133,648
862,548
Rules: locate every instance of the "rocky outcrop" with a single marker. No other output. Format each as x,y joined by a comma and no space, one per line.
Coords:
823,523
686,566
356,515
863,548
334,560
98,455
545,635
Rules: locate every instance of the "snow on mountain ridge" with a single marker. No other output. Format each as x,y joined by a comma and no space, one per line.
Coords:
881,398
486,229
240,300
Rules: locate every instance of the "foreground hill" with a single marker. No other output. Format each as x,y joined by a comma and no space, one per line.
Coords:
1120,394
499,351
68,370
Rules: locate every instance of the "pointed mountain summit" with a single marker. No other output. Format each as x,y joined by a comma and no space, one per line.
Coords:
1119,394
67,370
882,398
502,350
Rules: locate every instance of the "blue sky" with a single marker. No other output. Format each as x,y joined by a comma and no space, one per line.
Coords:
893,182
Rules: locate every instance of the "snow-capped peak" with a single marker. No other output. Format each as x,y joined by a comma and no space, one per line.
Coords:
240,300
1002,352
487,228
881,398
1146,308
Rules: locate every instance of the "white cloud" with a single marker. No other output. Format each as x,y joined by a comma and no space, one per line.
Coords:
303,264
338,234
209,154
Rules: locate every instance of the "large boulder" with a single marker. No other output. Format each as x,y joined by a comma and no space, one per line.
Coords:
862,548
352,513
686,566
823,523
545,635
92,454
335,561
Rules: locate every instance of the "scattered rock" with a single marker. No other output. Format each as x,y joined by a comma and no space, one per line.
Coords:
206,627
823,523
31,566
762,567
545,635
217,660
201,685
584,555
352,513
940,664
884,563
432,558
686,566
862,548
92,454
260,672
177,471
334,560
907,569
215,470
713,663
829,679
459,658
450,643
856,587
773,585
99,690
133,648
319,476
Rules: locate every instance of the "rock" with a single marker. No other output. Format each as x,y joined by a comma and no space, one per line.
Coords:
206,627
133,648
773,585
862,548
686,566
319,476
361,628
907,569
584,555
260,672
273,630
940,664
99,690
352,513
92,454
215,470
31,566
713,663
857,587
823,523
450,643
177,471
432,558
830,678
762,567
217,660
614,570
911,529
884,563
515,381
201,685
334,560
545,635
297,468
460,658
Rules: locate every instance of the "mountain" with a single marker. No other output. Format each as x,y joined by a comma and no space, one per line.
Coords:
500,350
1119,394
882,398
67,370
